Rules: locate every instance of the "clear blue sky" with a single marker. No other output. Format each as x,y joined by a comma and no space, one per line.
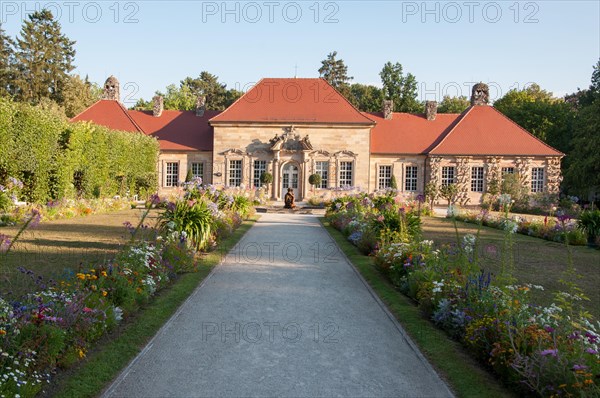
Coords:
446,45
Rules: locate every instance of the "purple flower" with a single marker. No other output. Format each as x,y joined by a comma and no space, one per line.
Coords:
155,199
4,243
420,198
553,352
549,329
579,367
34,218
129,226
591,351
171,206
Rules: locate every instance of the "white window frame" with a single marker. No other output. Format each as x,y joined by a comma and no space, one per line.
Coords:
477,178
447,176
235,174
195,165
538,179
322,169
508,170
258,171
411,178
171,179
384,176
346,173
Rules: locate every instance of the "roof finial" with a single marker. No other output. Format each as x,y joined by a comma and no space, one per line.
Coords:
296,71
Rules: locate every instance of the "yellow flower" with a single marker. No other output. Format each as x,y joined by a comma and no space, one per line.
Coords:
2,332
94,287
104,293
562,386
104,273
94,277
81,353
81,276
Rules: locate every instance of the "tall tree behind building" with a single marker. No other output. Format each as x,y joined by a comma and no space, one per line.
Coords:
7,63
583,168
44,58
400,88
335,71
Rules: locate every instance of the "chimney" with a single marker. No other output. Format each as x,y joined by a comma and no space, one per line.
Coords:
200,105
157,105
480,94
111,89
388,109
430,110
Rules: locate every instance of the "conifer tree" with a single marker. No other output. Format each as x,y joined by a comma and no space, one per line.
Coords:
45,57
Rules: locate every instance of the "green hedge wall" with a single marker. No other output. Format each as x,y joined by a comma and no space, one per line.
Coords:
56,159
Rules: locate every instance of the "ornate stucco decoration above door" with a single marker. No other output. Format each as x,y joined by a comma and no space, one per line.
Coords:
289,141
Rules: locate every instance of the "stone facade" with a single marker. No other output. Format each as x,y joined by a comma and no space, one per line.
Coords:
184,161
492,170
280,145
399,171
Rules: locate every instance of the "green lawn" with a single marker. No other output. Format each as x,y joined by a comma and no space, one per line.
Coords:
537,261
54,249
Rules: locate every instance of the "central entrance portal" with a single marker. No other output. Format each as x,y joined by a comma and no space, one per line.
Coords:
289,179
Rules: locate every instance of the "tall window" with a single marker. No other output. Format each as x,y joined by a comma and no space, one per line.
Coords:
260,167
172,174
447,175
345,174
410,178
476,179
508,170
385,177
235,173
197,169
537,179
322,169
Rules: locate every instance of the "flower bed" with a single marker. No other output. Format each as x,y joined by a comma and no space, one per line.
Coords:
542,350
56,325
555,229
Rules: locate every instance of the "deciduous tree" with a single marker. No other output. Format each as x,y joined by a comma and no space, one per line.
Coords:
453,104
400,88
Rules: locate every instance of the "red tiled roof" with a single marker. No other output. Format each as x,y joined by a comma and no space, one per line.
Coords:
108,113
483,130
292,100
407,133
178,130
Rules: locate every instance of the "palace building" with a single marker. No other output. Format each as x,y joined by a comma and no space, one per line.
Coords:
296,127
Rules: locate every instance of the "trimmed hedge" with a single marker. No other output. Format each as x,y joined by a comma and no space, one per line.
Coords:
56,159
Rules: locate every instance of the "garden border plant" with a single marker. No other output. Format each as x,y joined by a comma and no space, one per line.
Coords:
92,376
464,375
54,326
545,350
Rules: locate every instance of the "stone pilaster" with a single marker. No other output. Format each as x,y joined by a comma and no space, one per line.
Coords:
493,172
554,176
434,165
463,179
524,170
